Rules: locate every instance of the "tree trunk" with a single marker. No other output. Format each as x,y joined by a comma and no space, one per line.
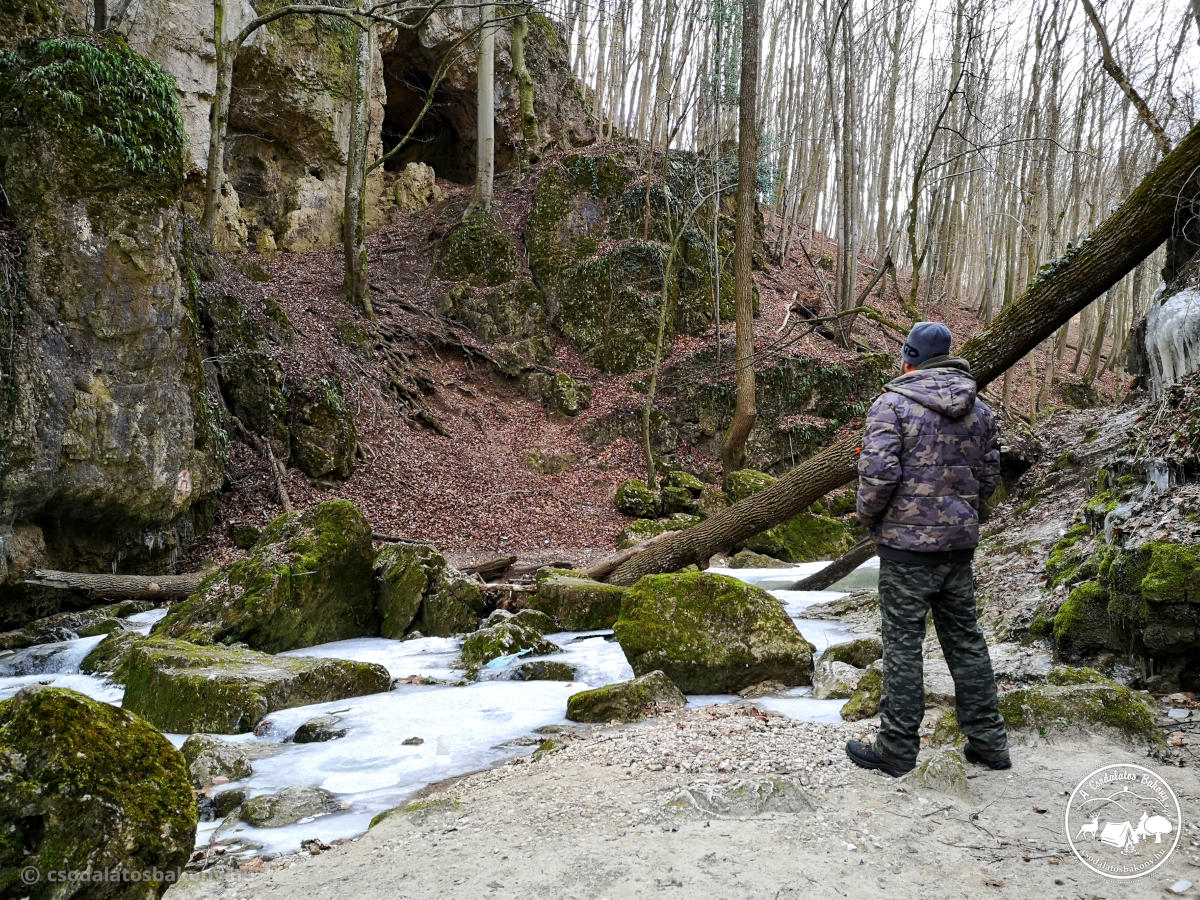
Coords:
733,452
838,569
355,282
217,120
525,86
150,587
485,114
1123,240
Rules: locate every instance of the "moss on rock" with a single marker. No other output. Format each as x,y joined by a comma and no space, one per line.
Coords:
85,786
864,702
208,757
185,688
515,635
711,633
746,483
1082,703
635,498
804,538
418,590
860,652
1081,623
748,559
307,581
626,701
643,529
479,250
287,807
575,601
321,425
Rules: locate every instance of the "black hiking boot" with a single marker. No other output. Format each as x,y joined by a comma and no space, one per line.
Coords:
992,761
863,755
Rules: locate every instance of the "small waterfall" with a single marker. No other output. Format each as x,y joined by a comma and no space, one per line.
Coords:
49,659
1172,339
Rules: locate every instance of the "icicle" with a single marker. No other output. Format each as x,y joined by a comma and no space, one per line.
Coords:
1172,339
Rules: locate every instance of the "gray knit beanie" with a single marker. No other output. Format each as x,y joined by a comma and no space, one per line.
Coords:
925,341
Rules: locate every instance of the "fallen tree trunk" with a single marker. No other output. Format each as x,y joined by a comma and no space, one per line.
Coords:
1063,288
119,587
838,569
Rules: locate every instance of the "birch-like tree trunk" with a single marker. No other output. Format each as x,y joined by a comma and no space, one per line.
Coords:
485,114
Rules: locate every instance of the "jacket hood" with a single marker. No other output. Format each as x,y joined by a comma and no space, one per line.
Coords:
943,384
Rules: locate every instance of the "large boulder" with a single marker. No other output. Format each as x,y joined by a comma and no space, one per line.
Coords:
88,787
575,601
105,420
711,634
860,652
418,590
321,427
523,633
626,701
307,581
803,538
479,250
184,688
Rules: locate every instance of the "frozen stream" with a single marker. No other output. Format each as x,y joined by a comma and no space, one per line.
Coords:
462,728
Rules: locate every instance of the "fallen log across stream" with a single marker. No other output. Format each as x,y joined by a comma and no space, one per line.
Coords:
119,587
1165,197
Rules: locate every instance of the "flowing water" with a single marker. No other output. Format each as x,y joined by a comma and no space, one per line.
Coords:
462,728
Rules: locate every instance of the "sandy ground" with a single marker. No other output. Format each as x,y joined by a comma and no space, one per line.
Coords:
576,825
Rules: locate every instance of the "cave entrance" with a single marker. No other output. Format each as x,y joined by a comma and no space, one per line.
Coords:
445,139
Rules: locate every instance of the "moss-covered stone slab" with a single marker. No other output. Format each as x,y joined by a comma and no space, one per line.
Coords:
635,498
110,656
834,680
543,670
864,702
575,601
746,483
514,635
86,786
287,807
417,590
748,559
70,625
711,634
626,701
642,530
1074,700
208,758
185,688
307,581
321,425
860,652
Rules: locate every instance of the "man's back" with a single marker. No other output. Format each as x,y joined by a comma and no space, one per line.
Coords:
929,458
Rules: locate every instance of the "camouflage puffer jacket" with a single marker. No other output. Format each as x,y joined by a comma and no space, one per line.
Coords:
929,457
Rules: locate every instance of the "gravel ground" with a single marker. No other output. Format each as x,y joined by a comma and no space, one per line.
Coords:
724,802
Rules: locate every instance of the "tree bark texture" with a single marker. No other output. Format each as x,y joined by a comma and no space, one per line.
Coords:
1134,231
116,587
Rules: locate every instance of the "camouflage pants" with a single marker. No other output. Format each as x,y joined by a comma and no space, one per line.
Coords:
906,594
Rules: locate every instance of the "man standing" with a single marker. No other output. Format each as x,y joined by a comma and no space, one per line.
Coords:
929,460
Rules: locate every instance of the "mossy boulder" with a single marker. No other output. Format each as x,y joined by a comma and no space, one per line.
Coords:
804,538
86,786
711,634
944,772
208,757
21,19
287,807
110,656
642,530
518,634
860,652
479,250
748,559
1074,700
321,425
746,483
69,625
307,581
319,729
626,701
834,680
543,670
185,688
510,312
575,601
864,702
635,498
418,590
1081,624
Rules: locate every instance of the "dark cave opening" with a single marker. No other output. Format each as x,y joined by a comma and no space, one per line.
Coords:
445,138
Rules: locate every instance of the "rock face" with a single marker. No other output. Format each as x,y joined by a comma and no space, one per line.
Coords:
307,581
184,688
575,601
321,428
415,188
418,590
711,634
603,281
108,445
84,785
627,701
